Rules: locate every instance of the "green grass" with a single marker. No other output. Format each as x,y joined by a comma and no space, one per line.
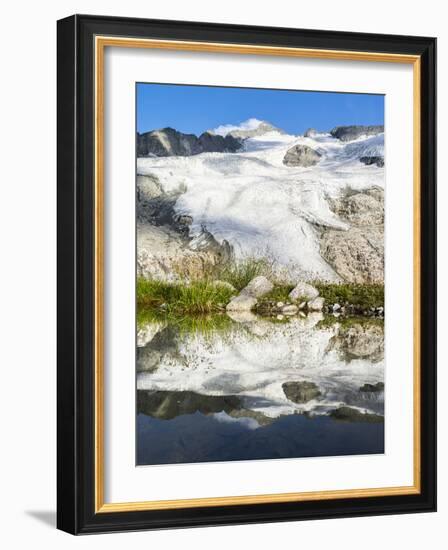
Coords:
363,295
239,274
280,293
196,298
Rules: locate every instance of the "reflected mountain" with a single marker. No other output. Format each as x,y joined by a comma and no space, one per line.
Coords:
327,378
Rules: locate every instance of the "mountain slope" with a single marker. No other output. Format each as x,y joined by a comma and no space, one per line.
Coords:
263,208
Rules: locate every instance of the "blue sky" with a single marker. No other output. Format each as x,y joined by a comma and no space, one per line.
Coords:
194,109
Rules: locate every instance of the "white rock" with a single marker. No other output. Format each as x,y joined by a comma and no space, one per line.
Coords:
290,310
259,286
316,305
280,304
242,302
302,305
303,290
336,307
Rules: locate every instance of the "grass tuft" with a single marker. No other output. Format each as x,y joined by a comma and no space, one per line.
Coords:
196,298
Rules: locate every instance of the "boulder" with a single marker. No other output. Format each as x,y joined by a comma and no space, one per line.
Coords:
316,305
301,155
258,287
301,392
303,291
242,302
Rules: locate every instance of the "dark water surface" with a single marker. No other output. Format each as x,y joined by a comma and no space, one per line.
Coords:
205,438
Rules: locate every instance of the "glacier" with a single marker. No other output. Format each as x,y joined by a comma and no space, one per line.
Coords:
263,208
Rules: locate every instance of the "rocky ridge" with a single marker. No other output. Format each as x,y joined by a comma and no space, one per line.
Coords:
350,133
168,142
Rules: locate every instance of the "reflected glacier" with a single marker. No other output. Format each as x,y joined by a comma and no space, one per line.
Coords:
310,386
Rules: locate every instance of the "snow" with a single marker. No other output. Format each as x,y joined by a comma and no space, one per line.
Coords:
264,208
249,124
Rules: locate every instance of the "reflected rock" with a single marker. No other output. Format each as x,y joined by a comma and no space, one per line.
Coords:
170,404
360,340
242,302
147,332
347,414
162,344
242,316
378,387
301,392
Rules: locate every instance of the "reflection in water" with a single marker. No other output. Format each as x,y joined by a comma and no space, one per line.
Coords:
259,389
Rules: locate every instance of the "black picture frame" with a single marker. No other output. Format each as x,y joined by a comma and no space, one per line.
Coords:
76,271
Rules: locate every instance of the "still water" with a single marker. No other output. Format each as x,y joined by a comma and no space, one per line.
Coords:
250,388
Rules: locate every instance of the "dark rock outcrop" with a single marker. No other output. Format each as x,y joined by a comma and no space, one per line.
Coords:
368,161
349,133
301,155
168,142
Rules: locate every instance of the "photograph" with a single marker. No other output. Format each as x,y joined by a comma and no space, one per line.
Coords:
259,273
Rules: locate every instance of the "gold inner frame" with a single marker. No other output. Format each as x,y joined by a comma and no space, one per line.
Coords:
101,42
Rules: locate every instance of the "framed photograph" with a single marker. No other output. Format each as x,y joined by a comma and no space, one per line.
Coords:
246,274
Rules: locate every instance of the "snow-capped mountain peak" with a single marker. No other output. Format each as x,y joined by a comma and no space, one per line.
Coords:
251,127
